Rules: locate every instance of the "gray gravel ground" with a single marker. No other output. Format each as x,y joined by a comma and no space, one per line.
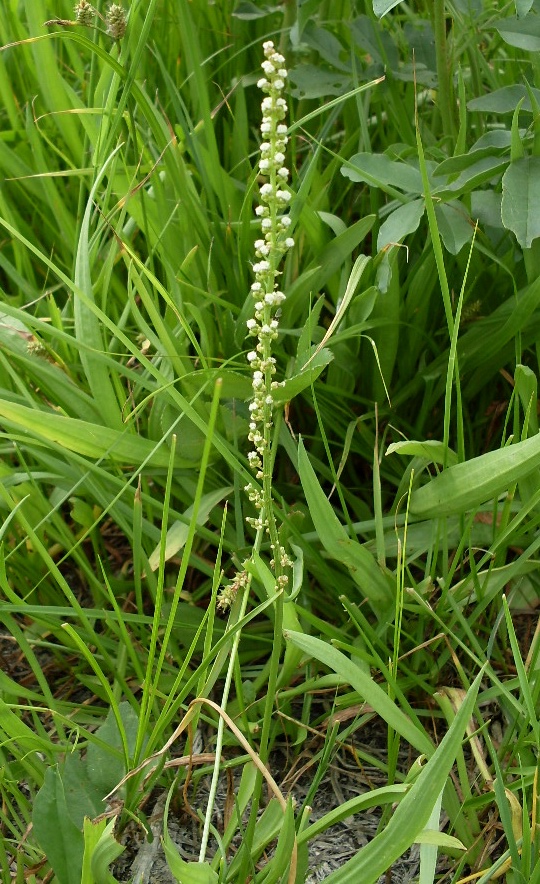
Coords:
144,862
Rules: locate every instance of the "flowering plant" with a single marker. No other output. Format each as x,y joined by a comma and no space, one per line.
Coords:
269,251
263,326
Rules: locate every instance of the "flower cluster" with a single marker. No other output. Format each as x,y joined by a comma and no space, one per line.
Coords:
229,592
116,21
85,14
269,250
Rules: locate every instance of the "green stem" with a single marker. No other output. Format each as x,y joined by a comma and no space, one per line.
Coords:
221,721
445,89
289,17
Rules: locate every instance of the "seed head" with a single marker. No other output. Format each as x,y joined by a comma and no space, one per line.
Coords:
116,21
85,14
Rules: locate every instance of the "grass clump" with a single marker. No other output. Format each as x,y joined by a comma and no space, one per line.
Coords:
267,497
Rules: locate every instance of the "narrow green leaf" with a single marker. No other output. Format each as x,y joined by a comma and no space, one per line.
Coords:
523,678
18,731
414,810
278,865
526,387
365,686
429,852
517,149
353,282
90,440
87,326
376,584
334,255
431,450
179,531
310,371
358,804
267,830
439,839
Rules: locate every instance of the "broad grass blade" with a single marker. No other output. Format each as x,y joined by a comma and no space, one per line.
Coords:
466,486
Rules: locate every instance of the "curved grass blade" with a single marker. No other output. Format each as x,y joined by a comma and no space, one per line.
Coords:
414,811
366,687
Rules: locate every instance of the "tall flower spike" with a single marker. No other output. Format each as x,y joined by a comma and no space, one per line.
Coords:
269,250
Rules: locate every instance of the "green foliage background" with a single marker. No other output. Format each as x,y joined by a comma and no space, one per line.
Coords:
409,348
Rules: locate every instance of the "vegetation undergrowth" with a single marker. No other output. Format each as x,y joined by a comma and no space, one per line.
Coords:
226,556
